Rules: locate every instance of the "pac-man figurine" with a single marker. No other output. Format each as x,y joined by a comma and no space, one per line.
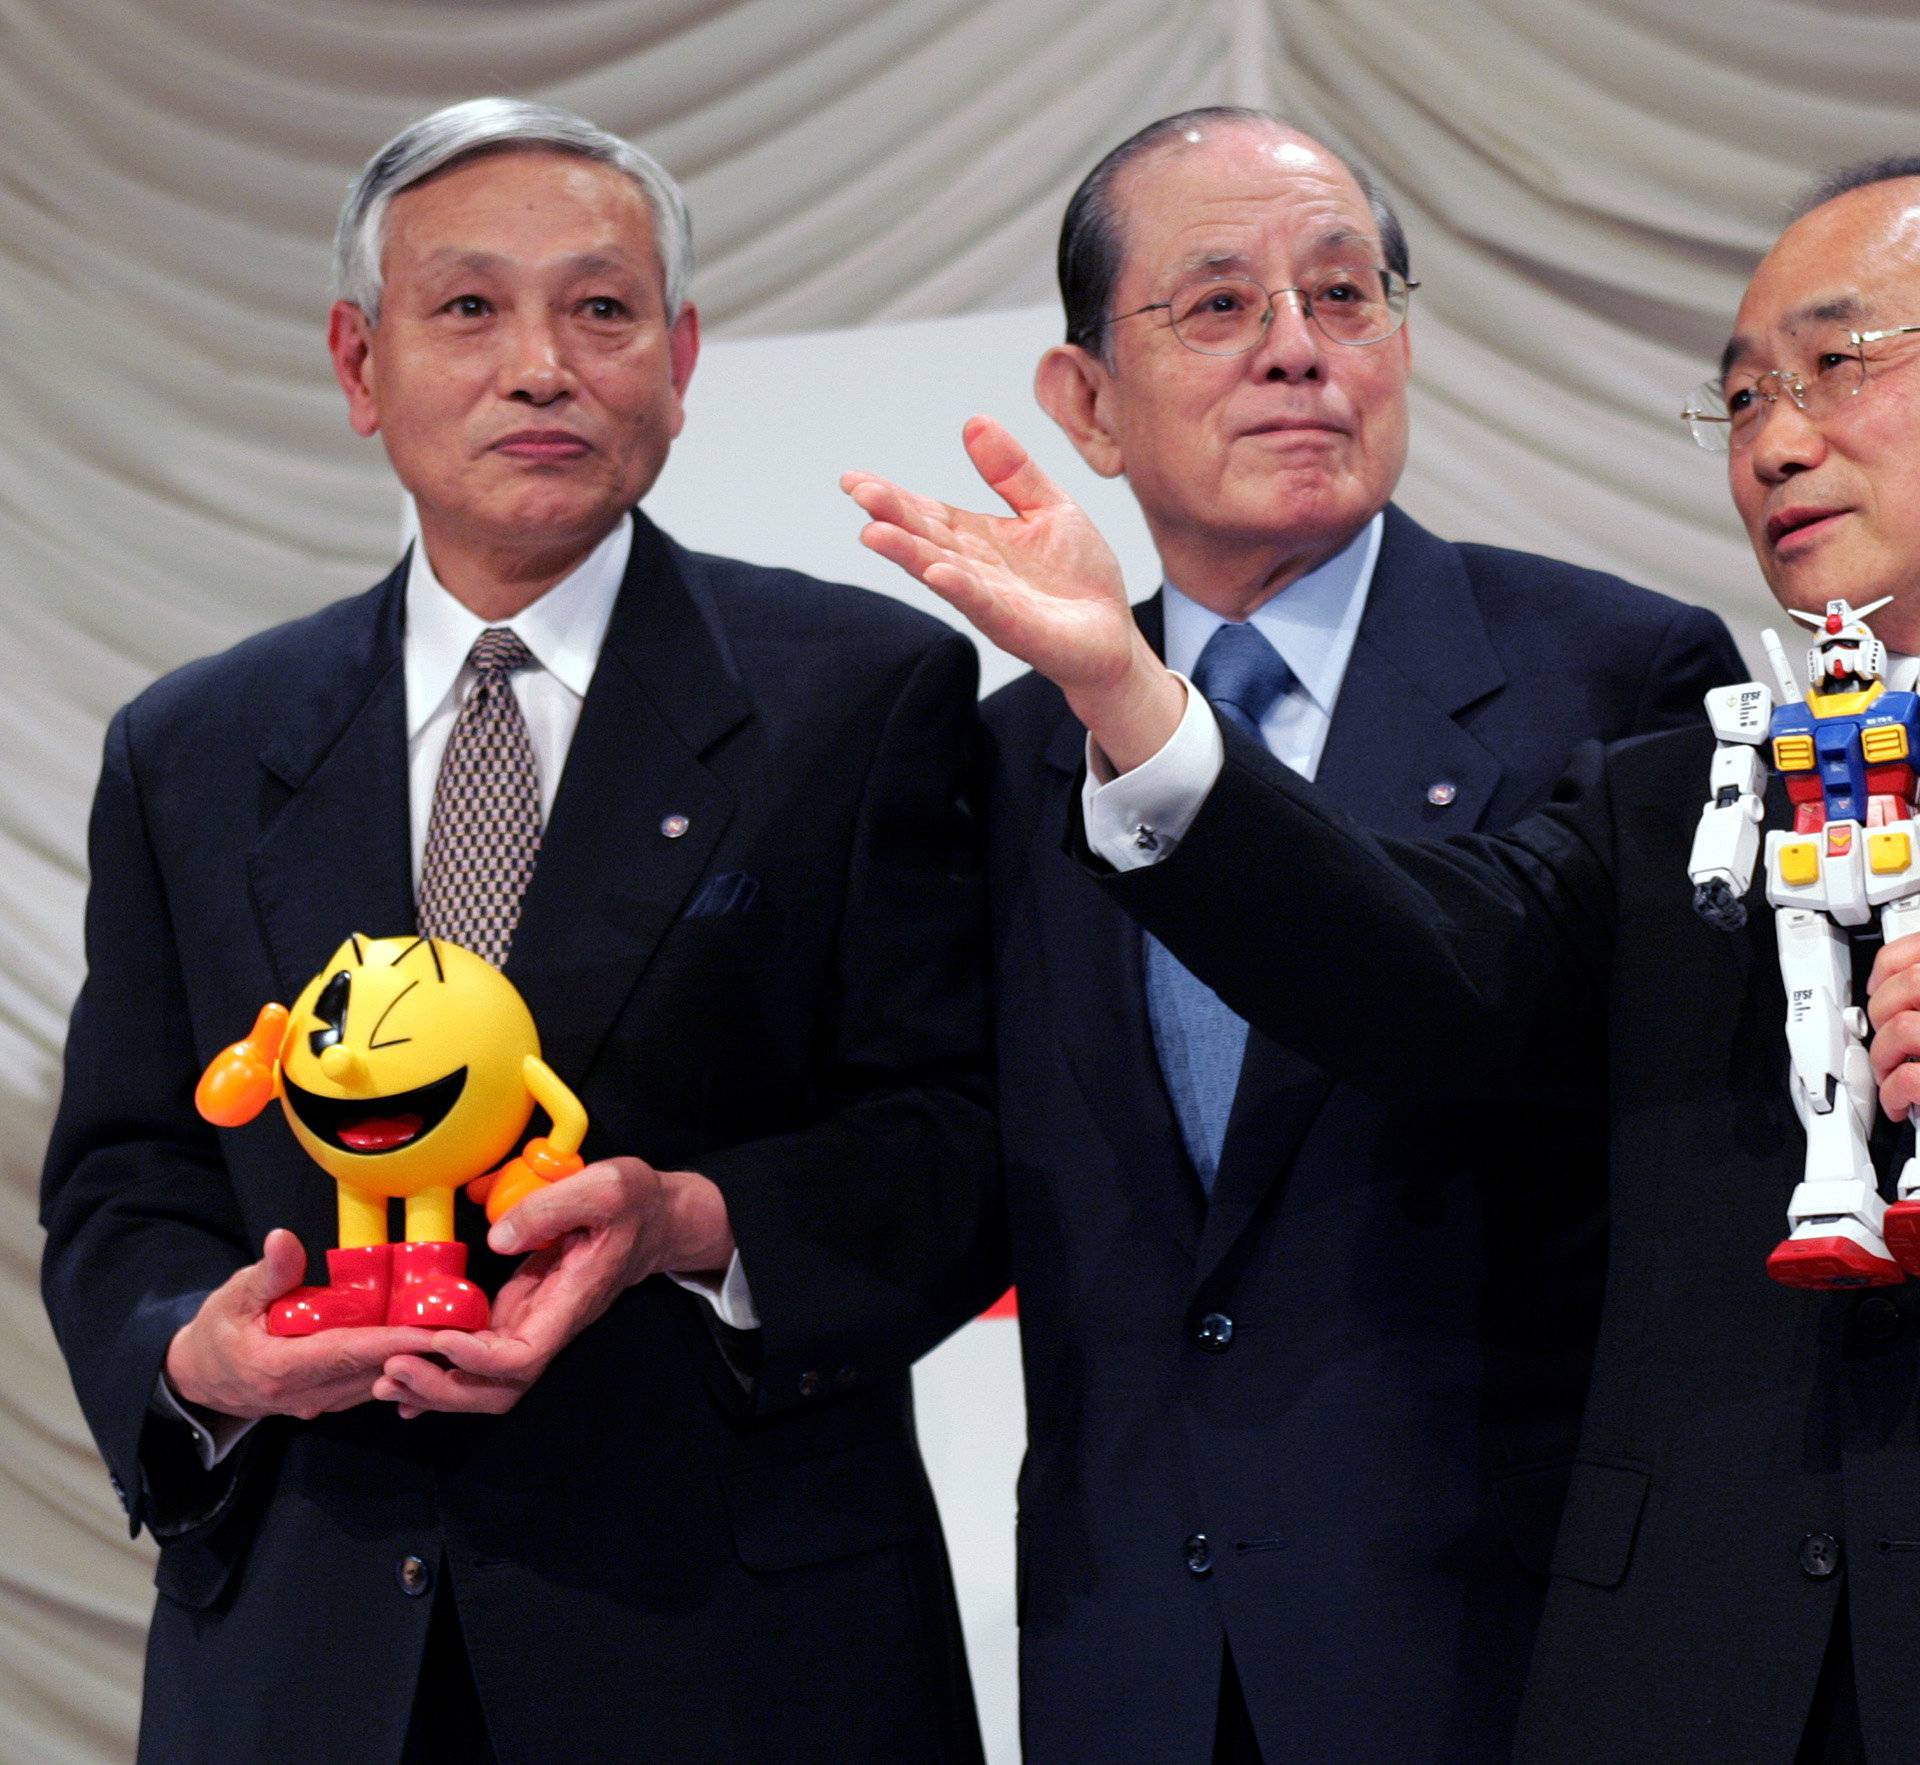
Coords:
407,1067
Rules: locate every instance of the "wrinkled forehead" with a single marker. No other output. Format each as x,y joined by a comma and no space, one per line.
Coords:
519,200
1850,264
1210,196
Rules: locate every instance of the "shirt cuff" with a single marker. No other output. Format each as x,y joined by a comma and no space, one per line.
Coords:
730,1297
214,1436
1138,818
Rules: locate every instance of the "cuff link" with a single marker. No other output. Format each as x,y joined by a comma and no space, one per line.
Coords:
1145,839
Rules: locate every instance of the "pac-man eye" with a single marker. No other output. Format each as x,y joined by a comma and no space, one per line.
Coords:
373,1041
331,1011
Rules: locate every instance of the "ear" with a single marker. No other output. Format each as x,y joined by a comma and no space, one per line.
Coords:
350,343
1075,388
683,350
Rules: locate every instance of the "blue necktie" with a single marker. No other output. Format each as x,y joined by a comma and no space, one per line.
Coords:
1199,1041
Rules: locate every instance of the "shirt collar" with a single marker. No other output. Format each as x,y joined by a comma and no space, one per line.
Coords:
1312,622
563,629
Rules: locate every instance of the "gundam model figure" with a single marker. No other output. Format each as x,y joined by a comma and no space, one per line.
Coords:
1846,755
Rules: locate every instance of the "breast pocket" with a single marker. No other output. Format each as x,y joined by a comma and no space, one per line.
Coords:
1600,1522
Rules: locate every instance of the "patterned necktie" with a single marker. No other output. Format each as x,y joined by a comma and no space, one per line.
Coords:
484,832
1199,1041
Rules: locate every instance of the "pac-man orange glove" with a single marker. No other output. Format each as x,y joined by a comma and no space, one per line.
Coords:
540,1163
238,1082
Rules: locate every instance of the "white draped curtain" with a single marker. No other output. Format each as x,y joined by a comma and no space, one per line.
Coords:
1586,185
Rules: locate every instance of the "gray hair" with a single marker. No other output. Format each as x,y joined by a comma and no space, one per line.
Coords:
493,125
1089,259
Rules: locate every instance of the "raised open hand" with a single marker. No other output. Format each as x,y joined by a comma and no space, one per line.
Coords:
1040,582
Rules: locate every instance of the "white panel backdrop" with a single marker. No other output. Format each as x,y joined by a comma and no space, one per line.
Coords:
1585,182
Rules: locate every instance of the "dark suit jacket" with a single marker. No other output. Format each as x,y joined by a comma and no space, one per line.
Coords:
652,1551
1751,1454
1328,1416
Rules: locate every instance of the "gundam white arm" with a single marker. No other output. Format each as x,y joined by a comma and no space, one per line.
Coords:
1726,844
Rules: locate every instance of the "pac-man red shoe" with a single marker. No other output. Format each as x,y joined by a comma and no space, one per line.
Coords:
357,1293
430,1289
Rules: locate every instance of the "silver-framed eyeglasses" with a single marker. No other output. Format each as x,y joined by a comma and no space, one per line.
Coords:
1228,315
1728,413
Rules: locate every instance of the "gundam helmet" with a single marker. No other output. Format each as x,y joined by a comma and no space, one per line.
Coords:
1846,656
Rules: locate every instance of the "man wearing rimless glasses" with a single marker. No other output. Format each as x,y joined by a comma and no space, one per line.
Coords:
1304,1365
1738,1569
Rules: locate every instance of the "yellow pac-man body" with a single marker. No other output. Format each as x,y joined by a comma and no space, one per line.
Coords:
407,1067
403,1068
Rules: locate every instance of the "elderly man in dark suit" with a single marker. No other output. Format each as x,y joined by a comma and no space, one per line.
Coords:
669,1504
1304,1365
1736,1574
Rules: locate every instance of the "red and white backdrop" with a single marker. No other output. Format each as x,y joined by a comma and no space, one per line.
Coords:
876,189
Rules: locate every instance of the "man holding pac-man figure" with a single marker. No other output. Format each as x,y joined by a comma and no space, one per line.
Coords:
708,819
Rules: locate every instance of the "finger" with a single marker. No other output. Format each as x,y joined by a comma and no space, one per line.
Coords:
355,1352
593,1198
1898,957
1900,1090
1009,468
405,1406
1897,1040
281,1268
1897,990
913,554
922,516
429,1387
487,1356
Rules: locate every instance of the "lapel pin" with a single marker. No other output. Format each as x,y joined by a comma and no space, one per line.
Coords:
673,826
1442,793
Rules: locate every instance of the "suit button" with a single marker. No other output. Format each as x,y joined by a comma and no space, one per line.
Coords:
811,1384
1199,1551
1214,1332
1819,1555
415,1576
1877,1319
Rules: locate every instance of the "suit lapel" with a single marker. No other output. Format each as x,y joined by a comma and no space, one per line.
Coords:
335,857
1421,656
638,812
1097,975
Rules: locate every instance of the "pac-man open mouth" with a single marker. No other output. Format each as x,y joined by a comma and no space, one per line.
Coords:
369,1126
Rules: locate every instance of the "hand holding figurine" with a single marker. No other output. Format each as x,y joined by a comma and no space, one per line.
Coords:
616,1223
225,1360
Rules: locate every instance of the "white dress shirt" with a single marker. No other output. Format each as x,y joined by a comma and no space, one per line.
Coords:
563,630
1139,817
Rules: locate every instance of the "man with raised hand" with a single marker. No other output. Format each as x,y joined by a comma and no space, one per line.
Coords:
1304,1365
1735,1576
710,817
